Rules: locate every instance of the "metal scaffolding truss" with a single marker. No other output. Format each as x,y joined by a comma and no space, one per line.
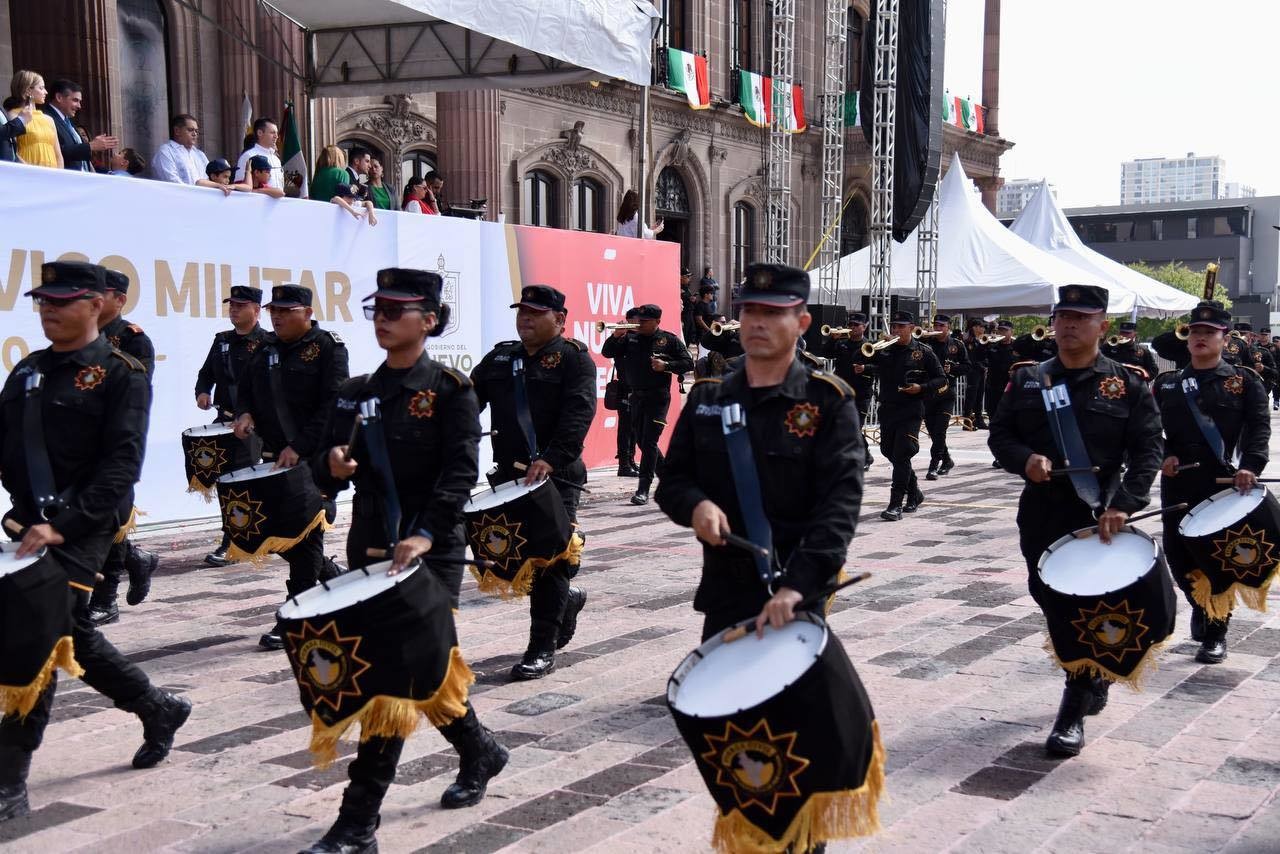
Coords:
778,162
884,121
835,57
927,261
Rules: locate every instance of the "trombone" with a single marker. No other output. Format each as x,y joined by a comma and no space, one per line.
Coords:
837,331
718,328
1040,333
601,326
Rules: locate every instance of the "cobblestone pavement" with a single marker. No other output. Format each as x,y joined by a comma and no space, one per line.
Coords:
944,636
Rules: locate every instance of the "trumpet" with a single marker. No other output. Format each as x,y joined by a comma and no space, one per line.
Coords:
838,331
718,328
919,333
990,339
601,326
1115,340
1237,334
1183,331
869,349
1040,333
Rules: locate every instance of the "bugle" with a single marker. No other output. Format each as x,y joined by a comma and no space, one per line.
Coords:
718,328
1115,340
601,326
1040,333
829,331
1182,332
869,349
990,339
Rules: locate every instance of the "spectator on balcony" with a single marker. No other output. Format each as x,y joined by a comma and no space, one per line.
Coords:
261,171
265,135
358,166
127,162
14,118
434,201
218,177
415,193
349,199
331,170
39,145
379,193
65,100
179,160
629,221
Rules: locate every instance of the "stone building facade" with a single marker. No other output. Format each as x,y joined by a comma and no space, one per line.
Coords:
560,157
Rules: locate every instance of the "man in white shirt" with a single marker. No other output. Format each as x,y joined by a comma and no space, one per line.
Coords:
178,160
265,134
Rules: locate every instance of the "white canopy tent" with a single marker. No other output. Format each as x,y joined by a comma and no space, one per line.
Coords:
981,264
1043,224
364,47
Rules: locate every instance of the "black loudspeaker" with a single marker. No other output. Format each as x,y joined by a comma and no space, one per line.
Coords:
823,315
897,303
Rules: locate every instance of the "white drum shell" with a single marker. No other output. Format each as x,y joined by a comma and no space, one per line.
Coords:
350,588
254,472
500,495
11,563
1219,511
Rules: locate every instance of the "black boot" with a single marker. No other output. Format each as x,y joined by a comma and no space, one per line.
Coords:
140,565
103,607
348,836
539,659
15,763
628,468
1067,736
1101,693
1213,648
1197,623
914,500
218,557
569,619
893,512
642,493
480,759
934,465
162,714
980,423
947,465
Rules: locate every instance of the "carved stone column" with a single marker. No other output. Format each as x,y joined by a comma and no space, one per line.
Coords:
326,130
990,189
991,66
721,219
469,153
66,38
239,66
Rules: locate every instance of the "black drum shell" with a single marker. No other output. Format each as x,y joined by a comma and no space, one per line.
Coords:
1209,557
234,456
538,517
35,612
278,506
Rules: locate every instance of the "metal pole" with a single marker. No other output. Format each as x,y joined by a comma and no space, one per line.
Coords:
884,121
778,165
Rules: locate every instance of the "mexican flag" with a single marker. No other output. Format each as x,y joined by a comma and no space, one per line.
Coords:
970,115
291,149
687,73
794,121
755,94
949,108
851,117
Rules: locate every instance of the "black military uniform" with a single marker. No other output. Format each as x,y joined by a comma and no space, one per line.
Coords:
808,456
1256,355
1000,358
124,558
977,375
939,406
1027,349
1119,424
846,353
311,369
1274,348
650,389
1234,399
92,416
1169,346
429,418
626,427
560,382
899,366
1129,352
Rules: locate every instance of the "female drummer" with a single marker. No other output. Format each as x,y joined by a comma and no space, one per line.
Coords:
1234,402
429,417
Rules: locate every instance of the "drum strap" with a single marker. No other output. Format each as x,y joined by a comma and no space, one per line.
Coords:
746,482
232,379
1191,393
1066,435
523,415
39,470
276,376
375,439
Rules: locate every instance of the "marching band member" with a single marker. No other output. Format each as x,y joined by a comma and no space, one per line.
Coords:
854,368
977,375
1234,401
219,376
1128,351
1114,419
542,392
1000,357
287,390
71,489
954,358
430,422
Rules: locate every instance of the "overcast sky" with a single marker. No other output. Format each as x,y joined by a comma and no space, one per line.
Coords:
1089,84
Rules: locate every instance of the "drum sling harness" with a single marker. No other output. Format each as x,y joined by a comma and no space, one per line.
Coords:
1066,435
746,482
276,377
233,381
523,416
375,439
39,471
1191,394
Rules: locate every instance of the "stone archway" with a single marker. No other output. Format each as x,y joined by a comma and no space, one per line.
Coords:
678,155
395,128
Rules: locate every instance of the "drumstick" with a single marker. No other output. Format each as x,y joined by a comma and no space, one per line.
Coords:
351,440
440,559
16,528
1228,480
559,480
491,433
1186,467
1172,508
744,544
1074,470
740,631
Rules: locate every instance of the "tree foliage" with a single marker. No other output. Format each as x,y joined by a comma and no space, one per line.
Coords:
1176,275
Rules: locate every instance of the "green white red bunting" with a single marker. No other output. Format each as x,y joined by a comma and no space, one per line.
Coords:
687,73
758,98
964,113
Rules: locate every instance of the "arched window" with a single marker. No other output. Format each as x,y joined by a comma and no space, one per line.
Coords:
853,50
671,200
743,250
539,204
675,15
347,144
588,205
144,73
416,164
854,225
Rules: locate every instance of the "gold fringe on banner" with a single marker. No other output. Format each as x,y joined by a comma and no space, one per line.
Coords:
207,492
841,578
130,525
1218,605
21,699
523,582
825,816
275,545
384,717
1088,667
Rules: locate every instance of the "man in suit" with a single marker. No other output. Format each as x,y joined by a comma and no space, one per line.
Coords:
65,99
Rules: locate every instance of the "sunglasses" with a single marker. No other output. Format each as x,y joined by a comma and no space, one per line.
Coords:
60,302
389,311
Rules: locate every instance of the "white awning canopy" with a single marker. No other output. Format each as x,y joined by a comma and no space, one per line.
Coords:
371,47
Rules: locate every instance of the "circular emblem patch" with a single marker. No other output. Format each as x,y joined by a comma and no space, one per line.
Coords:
1112,388
206,457
1233,384
326,663
241,515
90,377
498,539
423,404
1111,632
802,420
1245,551
757,766
917,355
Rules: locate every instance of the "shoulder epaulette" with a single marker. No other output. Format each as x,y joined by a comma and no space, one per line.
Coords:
582,348
1139,370
134,364
460,378
337,339
842,387
1025,363
1164,374
1250,370
716,380
506,343
134,328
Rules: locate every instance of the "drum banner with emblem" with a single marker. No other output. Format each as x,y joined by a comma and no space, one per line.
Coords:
383,663
520,530
208,453
507,576
35,625
268,510
805,767
1239,561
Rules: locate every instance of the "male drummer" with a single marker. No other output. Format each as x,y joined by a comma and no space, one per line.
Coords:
542,390
938,407
1234,401
1114,418
796,467
123,557
83,430
649,357
286,404
219,376
856,369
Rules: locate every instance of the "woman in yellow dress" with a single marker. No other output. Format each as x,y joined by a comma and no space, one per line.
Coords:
39,145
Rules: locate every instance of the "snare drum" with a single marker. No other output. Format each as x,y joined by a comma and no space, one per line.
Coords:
35,628
522,529
1233,540
1108,607
268,510
783,734
381,650
209,452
